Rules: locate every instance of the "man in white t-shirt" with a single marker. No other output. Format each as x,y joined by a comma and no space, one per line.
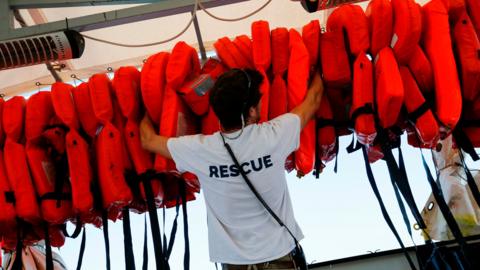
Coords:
241,232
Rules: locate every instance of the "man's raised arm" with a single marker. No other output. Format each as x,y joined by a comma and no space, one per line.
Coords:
310,105
151,141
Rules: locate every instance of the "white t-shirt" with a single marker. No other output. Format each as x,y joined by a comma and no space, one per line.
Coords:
240,230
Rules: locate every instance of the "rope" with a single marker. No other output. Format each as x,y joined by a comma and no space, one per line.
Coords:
194,14
234,19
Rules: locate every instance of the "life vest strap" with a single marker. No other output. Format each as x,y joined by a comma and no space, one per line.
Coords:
417,113
322,122
127,240
365,109
10,197
63,196
82,249
383,209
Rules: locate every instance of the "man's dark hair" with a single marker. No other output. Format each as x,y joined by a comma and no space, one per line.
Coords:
233,94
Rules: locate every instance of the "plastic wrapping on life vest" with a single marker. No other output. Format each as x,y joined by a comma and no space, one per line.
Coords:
389,89
407,29
45,161
15,158
210,123
438,46
467,48
335,60
425,126
298,73
421,70
352,19
380,17
363,99
262,58
456,192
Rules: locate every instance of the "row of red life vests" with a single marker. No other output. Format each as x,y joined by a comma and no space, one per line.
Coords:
68,152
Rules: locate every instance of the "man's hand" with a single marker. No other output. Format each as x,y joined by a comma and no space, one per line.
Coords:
310,105
150,140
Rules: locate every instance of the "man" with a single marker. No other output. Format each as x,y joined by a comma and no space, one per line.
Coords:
242,234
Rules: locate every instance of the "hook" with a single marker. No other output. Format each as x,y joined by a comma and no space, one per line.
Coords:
144,60
2,95
109,69
66,22
41,84
73,76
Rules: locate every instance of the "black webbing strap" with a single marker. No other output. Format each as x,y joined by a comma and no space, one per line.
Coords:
471,182
365,109
398,176
322,122
337,148
82,249
18,263
160,261
463,142
105,238
174,229
447,214
127,240
76,232
383,209
145,246
352,147
48,249
417,113
183,194
56,196
10,197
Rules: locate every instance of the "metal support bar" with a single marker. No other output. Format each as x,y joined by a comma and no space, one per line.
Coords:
203,52
21,4
6,17
115,17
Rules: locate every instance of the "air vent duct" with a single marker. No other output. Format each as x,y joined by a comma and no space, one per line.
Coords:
41,49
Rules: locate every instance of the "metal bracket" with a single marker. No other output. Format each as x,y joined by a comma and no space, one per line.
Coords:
106,19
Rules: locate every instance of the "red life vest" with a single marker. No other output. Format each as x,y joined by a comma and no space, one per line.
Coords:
15,159
467,47
153,84
298,73
455,8
311,37
109,148
352,19
326,137
45,160
244,46
335,60
473,8
262,58
389,89
280,59
438,46
78,153
362,102
177,119
7,215
421,70
212,69
407,29
424,122
83,106
380,17
230,54
126,85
